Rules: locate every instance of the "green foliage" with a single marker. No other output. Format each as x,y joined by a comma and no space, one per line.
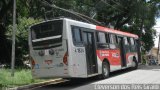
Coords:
22,8
5,19
21,77
128,15
21,38
133,16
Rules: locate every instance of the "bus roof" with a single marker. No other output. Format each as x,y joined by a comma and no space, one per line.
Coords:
105,29
99,28
110,30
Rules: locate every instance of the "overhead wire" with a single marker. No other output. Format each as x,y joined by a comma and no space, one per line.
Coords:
54,6
117,3
112,6
74,13
105,3
83,17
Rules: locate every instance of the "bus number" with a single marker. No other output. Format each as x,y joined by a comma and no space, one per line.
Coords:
79,50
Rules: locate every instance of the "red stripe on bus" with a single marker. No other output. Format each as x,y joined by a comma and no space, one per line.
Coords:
115,31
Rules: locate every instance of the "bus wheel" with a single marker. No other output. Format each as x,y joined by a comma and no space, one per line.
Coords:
135,64
105,70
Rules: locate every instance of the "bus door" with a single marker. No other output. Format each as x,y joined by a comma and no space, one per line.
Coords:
122,51
138,47
88,39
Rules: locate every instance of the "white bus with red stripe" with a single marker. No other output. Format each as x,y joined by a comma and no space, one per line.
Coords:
68,48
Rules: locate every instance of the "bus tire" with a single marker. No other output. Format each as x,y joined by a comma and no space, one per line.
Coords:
135,64
105,70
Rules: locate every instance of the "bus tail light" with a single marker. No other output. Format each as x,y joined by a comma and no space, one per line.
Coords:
32,62
65,59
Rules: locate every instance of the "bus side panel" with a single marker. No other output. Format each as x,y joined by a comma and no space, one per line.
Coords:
129,58
77,64
77,58
99,62
113,56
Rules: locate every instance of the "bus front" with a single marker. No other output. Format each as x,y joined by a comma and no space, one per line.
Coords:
48,49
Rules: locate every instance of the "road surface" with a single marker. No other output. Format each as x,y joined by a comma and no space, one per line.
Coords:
144,75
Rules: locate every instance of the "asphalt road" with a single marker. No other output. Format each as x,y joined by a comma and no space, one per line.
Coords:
143,75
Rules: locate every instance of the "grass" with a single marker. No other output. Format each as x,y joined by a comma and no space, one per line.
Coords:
21,77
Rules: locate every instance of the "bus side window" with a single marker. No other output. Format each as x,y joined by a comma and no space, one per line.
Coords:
116,37
77,36
97,37
129,44
101,37
102,40
132,41
126,42
133,45
107,37
113,39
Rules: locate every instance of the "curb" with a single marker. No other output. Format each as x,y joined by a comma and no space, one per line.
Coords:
40,84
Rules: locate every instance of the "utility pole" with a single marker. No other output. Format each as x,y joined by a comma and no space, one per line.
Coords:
13,38
158,53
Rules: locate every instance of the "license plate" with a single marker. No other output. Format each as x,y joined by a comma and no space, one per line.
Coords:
48,62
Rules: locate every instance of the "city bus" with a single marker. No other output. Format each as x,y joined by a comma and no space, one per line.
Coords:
66,48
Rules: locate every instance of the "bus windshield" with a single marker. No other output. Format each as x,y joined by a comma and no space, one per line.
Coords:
47,34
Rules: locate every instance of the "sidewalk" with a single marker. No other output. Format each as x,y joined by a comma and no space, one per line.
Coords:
37,85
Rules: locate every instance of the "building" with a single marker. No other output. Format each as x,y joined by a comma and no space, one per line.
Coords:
152,55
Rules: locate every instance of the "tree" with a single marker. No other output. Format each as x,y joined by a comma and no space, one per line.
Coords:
21,38
5,46
132,16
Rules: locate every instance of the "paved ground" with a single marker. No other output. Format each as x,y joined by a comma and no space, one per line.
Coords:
143,75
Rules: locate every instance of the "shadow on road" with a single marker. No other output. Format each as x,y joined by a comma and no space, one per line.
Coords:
81,84
76,83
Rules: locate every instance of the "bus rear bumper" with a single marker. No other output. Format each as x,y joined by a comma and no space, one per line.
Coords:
53,76
49,74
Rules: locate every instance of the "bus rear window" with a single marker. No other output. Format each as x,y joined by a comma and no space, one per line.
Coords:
47,34
47,29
